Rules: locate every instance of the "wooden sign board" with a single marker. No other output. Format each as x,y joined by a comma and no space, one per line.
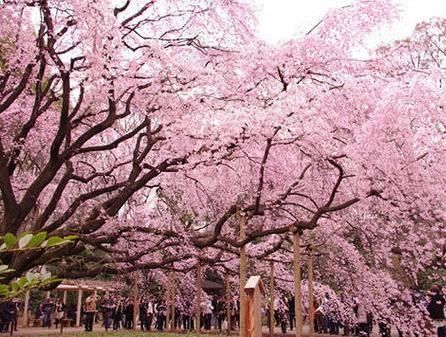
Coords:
253,309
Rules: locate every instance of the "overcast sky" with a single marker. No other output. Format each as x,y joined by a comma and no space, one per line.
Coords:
283,19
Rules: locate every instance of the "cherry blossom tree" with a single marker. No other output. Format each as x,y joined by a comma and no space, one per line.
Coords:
92,101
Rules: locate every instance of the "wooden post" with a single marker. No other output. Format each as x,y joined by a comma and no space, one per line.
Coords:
173,300
48,294
297,284
26,310
198,300
135,304
253,315
242,294
271,299
79,307
64,298
168,302
310,291
228,303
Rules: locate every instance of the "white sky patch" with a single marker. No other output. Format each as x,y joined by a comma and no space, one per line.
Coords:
284,19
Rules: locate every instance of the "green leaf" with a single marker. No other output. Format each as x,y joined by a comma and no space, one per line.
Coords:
22,282
9,240
4,289
14,286
70,237
5,269
37,239
25,240
55,241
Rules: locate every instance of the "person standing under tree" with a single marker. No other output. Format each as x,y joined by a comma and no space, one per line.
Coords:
47,309
108,308
117,314
436,309
143,312
90,311
291,312
59,311
161,315
150,313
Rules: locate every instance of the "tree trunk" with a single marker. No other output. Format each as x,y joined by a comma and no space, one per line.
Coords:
242,278
198,300
297,284
310,292
173,291
271,299
228,304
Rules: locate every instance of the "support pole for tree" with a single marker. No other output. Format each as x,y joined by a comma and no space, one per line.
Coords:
26,310
228,303
271,299
135,304
198,301
169,302
79,307
310,291
242,278
173,327
297,284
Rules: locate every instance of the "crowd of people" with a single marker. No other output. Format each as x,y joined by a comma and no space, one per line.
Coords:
327,318
117,312
8,315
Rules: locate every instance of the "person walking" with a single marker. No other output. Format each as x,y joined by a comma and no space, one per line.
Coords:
436,308
47,309
161,315
90,311
150,313
117,315
59,312
128,314
143,314
291,312
108,308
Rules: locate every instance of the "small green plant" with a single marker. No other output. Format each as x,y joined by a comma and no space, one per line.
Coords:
27,242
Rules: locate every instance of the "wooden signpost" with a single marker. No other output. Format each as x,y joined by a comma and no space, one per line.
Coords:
253,309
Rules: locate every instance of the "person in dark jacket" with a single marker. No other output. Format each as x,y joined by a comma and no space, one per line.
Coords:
291,312
143,314
117,315
160,315
128,314
436,308
7,315
107,307
47,309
